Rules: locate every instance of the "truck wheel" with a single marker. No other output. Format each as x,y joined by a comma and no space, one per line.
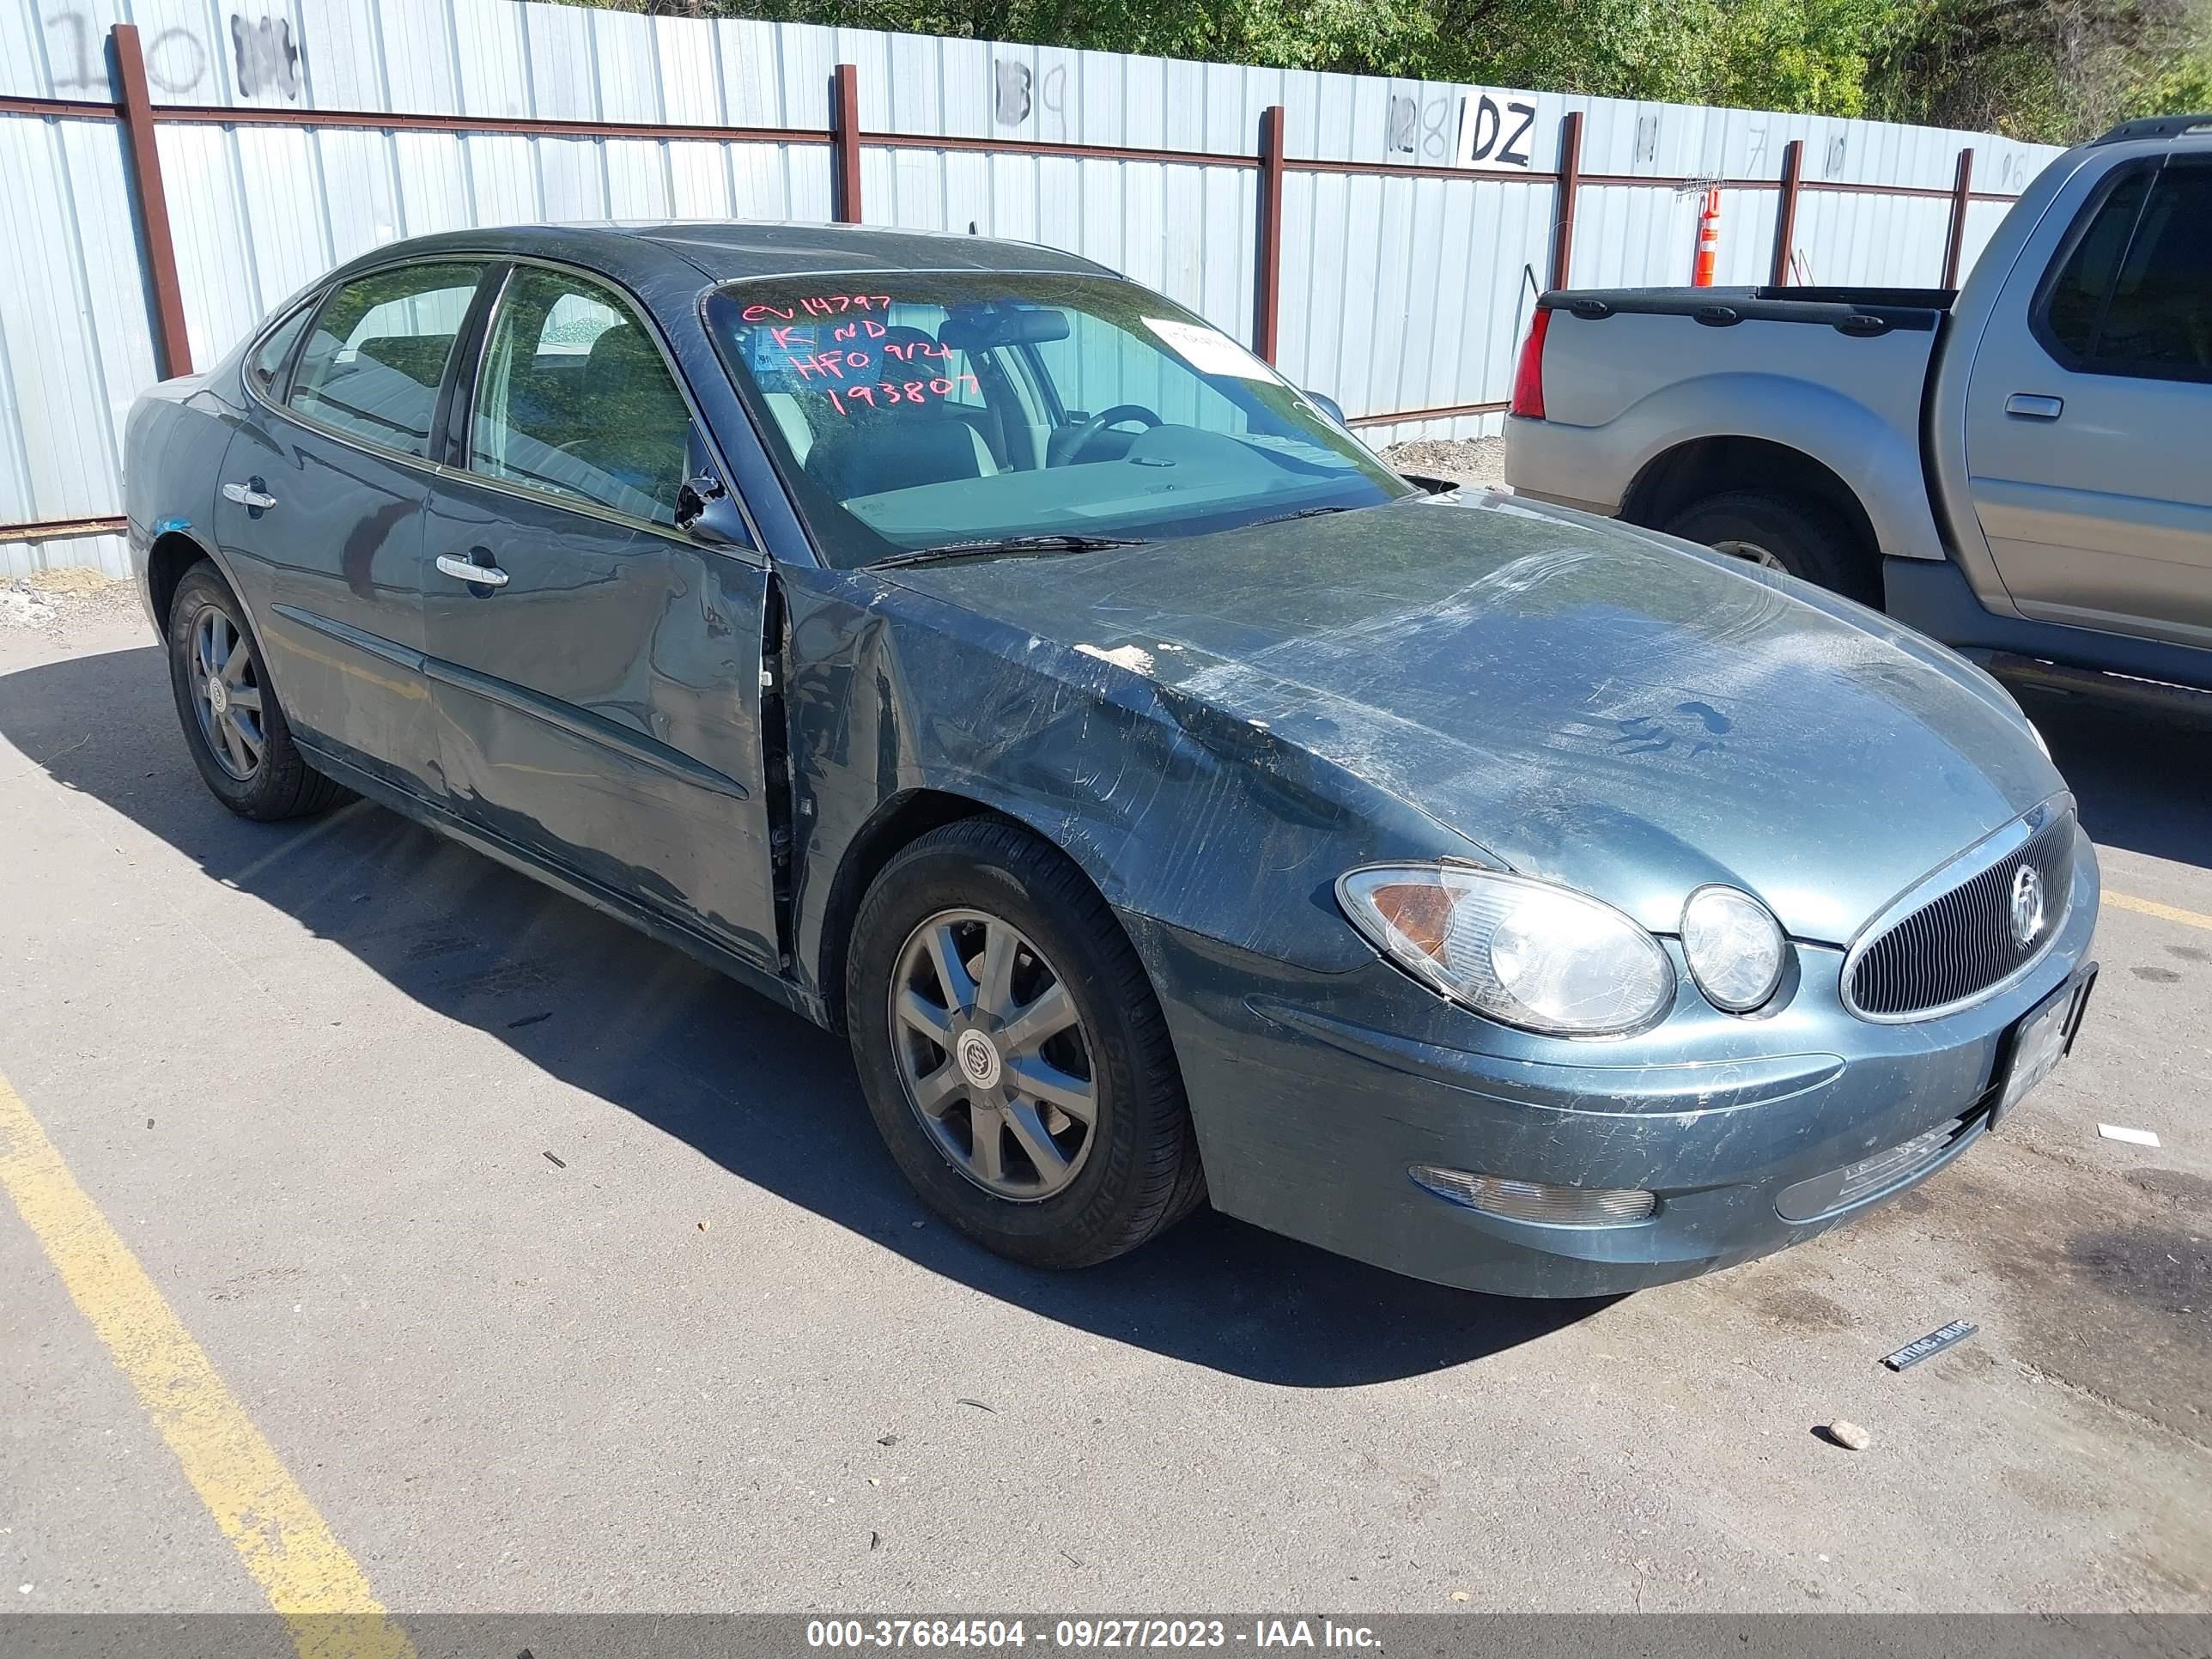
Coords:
1784,533
234,725
1014,1055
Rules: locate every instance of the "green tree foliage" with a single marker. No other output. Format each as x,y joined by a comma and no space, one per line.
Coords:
2051,70
2055,70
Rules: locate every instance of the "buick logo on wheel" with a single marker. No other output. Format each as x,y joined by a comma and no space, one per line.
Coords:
979,1059
2027,906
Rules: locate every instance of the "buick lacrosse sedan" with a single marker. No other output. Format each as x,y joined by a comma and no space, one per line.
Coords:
984,656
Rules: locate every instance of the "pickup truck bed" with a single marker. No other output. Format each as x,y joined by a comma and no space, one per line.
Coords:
1834,373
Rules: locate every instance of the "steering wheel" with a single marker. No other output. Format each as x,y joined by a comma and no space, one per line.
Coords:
1098,422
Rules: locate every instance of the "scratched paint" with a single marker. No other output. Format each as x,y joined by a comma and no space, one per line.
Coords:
1624,716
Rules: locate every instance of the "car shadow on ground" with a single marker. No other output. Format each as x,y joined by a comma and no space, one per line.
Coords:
761,1092
2143,778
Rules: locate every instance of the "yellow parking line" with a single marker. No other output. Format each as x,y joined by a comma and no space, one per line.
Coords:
306,1574
2163,912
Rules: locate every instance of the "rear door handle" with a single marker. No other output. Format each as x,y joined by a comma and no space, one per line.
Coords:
2033,406
249,495
482,575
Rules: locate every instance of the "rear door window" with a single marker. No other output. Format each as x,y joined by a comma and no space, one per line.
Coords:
2132,293
2159,322
376,355
2074,302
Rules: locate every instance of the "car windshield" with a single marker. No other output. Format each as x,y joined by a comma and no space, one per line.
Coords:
960,410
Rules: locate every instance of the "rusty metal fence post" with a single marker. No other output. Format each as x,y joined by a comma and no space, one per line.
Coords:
1962,197
1570,183
134,109
1267,261
845,133
1785,211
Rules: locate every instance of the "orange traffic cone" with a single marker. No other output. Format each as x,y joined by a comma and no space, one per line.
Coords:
1709,239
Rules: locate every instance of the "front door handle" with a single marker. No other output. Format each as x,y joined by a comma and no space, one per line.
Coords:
250,495
2033,406
482,575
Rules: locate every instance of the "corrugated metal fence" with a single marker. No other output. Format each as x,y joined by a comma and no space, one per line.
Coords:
164,183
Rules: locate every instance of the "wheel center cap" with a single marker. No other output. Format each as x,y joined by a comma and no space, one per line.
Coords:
218,693
979,1059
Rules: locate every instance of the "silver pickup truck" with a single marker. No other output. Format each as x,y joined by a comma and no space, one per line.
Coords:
2022,468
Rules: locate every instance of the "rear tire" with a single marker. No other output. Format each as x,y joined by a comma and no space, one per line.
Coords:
234,724
947,1051
1785,533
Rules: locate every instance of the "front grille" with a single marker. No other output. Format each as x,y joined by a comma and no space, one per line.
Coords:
1959,945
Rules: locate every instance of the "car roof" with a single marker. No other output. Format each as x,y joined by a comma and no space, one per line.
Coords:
2158,126
724,250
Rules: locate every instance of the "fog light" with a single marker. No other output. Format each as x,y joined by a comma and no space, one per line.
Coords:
1537,1200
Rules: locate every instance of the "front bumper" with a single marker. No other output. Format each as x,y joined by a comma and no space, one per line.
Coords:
1314,1094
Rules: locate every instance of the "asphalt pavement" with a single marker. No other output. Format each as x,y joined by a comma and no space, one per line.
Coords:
551,1272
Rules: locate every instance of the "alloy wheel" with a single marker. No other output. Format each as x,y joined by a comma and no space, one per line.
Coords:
226,694
993,1055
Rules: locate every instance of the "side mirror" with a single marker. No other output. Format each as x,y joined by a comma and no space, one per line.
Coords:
706,513
1327,404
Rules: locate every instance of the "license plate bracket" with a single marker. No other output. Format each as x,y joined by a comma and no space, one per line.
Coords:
2038,1040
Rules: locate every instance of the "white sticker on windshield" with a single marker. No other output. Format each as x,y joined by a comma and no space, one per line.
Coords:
1209,351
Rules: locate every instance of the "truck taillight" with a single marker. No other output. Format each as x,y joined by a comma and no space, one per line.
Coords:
1528,378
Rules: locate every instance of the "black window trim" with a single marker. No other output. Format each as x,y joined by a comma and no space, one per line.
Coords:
2085,218
305,305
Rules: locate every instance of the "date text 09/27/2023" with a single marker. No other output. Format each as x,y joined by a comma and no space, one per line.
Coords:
1084,1634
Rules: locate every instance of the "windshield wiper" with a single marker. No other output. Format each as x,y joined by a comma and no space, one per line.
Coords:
1317,512
1302,513
1007,547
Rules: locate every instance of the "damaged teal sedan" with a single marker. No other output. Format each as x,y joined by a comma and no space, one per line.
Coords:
984,656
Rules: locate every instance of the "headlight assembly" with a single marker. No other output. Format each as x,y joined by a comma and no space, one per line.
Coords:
1525,952
1735,948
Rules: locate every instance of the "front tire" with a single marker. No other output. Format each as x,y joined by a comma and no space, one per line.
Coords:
1014,1055
1784,533
234,724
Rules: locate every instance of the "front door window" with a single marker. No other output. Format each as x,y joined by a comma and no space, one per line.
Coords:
575,399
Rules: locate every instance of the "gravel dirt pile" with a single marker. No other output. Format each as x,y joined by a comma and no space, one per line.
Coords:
1466,461
60,601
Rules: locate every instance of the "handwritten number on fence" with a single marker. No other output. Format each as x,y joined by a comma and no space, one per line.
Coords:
267,56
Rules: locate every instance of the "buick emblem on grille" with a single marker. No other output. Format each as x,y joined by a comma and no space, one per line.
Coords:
2026,905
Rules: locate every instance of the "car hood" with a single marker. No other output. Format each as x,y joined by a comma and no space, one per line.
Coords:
1585,702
